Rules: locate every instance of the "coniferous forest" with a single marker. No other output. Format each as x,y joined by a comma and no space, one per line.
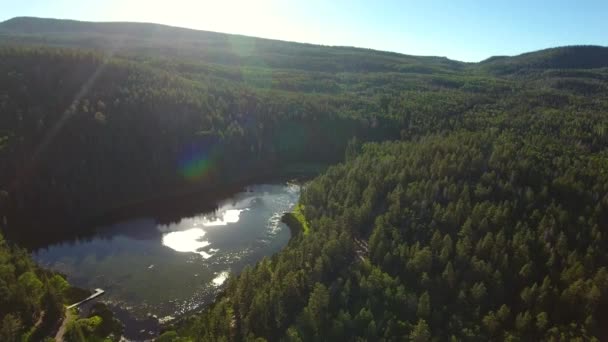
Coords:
463,201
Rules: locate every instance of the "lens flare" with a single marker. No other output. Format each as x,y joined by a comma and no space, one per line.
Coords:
198,163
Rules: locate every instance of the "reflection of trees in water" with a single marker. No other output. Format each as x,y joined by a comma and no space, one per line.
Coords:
121,265
138,229
133,221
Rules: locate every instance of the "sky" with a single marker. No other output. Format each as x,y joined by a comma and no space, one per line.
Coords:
464,30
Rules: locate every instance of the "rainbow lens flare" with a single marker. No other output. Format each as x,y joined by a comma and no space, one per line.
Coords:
197,164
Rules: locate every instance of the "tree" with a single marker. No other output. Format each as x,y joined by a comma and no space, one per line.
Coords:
503,313
31,289
446,250
82,330
293,335
10,329
421,332
491,322
424,306
316,310
523,321
53,305
59,283
448,275
542,321
422,260
478,292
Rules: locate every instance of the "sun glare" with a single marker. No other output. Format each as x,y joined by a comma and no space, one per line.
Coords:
232,16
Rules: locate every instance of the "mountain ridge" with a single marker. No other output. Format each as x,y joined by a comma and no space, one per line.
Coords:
15,25
51,26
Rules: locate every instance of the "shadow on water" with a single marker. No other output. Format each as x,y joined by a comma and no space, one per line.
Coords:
143,255
163,211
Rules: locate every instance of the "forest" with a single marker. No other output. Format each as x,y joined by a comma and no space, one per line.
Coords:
32,304
469,236
465,201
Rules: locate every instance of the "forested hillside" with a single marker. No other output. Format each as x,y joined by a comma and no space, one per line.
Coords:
78,128
90,129
490,233
473,236
468,201
31,299
32,304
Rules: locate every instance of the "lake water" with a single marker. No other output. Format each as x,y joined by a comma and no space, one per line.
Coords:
167,269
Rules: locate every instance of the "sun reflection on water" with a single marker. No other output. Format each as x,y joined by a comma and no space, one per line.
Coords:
193,240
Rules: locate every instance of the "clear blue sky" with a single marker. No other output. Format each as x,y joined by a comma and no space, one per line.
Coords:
463,30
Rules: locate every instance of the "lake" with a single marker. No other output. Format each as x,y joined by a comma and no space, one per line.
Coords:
165,269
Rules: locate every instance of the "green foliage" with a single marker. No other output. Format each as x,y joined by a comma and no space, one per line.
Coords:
421,332
298,213
25,292
84,329
453,243
158,124
248,106
110,327
10,329
171,336
483,222
569,57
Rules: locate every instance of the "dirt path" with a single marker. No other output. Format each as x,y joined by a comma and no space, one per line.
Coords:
64,324
39,321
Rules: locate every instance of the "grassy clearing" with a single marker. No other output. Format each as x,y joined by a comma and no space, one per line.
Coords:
298,213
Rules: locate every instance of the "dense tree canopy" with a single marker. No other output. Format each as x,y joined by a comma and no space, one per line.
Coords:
31,300
471,203
32,303
471,236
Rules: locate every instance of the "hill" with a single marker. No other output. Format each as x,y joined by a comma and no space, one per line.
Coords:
235,50
472,236
172,110
466,201
567,57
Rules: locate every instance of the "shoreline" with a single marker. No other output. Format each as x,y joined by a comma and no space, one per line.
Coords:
164,207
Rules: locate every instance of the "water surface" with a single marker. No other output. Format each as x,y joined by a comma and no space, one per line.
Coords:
166,269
